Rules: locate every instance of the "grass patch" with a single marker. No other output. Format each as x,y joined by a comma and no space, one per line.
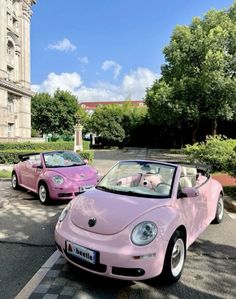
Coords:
230,191
5,174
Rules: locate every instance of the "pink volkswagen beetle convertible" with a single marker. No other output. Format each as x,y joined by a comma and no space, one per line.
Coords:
139,220
53,175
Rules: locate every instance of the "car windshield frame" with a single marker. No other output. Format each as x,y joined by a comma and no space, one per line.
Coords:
148,182
62,159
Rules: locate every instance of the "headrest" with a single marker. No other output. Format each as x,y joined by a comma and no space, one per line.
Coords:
183,171
191,171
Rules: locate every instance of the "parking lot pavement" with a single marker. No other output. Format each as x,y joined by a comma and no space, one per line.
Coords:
209,272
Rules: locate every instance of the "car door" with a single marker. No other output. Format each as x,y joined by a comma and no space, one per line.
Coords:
33,172
194,209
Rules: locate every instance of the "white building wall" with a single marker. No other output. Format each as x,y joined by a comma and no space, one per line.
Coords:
15,93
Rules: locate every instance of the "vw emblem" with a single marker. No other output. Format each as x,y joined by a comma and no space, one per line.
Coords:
92,222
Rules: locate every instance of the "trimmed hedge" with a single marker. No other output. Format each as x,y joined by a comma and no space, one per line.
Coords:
12,156
44,146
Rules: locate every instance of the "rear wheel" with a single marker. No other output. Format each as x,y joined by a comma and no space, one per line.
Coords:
174,259
14,181
219,210
43,193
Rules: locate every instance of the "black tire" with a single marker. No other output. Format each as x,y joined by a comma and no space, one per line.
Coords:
43,193
14,181
219,210
174,259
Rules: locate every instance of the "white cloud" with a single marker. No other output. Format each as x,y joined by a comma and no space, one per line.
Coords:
135,83
112,65
64,45
133,86
84,60
64,81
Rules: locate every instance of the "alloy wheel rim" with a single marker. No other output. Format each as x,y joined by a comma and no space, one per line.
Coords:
177,257
13,181
220,208
42,193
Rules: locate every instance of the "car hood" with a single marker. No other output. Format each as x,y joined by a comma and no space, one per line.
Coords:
75,173
113,212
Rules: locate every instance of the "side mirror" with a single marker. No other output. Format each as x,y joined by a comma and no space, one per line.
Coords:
86,161
36,165
188,192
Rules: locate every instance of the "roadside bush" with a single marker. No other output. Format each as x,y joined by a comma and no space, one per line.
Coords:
231,164
12,156
42,146
218,151
89,155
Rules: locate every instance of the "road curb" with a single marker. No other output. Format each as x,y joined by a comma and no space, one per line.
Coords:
38,277
5,179
230,204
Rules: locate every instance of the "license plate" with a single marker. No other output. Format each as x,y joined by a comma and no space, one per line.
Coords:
84,188
81,252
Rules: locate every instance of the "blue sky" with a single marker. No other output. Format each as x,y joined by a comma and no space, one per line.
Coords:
105,49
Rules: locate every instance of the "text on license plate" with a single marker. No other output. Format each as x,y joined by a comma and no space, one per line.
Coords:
81,252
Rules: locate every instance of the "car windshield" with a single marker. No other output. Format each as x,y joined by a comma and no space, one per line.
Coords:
139,178
62,159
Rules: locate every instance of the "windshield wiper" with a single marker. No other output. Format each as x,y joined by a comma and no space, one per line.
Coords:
107,189
75,164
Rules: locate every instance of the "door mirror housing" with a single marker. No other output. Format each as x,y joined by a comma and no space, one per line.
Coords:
188,192
37,165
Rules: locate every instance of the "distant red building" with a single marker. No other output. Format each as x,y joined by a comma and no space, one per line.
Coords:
91,106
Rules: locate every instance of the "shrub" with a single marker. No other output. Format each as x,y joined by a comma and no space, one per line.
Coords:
12,156
217,151
43,146
89,155
231,164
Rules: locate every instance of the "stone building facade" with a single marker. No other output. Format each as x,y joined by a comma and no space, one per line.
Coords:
15,92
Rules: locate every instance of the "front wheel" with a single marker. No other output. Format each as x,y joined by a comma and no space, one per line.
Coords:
219,210
14,181
43,194
174,259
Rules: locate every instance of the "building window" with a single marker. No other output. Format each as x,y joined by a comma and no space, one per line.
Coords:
15,24
10,105
10,130
10,73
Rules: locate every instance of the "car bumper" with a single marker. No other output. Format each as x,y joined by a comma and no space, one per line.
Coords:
126,262
71,191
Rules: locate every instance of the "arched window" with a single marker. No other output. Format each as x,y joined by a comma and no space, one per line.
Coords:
10,49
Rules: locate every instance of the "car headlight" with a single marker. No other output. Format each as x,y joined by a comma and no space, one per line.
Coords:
144,233
58,180
64,213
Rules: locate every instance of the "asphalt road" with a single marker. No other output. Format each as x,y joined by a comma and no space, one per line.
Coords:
26,242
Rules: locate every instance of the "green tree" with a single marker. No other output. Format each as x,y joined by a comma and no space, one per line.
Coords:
54,114
198,79
119,124
42,113
83,118
66,109
106,122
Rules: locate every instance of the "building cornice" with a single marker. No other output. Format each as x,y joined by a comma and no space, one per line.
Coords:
30,2
16,89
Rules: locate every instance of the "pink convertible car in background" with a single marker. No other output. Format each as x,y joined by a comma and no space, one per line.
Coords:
140,219
54,175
